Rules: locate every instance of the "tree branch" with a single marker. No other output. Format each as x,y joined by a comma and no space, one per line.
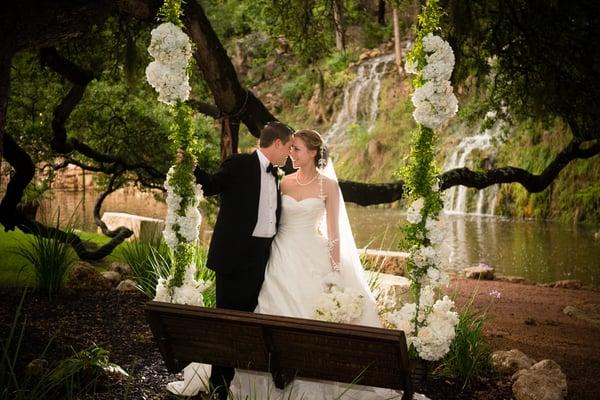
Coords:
98,206
531,182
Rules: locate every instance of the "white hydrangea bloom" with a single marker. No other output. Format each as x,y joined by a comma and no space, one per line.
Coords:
425,256
172,50
434,233
335,305
190,292
435,103
427,297
413,214
170,45
411,67
440,61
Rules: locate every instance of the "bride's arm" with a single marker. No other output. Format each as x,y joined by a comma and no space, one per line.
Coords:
332,206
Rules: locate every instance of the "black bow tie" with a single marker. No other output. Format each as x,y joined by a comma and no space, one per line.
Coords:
272,170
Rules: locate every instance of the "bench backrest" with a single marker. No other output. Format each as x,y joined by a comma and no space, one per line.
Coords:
284,346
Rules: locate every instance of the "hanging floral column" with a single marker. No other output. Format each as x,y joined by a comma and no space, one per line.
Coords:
168,75
429,324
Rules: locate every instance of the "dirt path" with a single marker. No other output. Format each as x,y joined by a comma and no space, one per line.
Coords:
531,319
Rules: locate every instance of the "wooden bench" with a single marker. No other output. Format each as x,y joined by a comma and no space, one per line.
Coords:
286,347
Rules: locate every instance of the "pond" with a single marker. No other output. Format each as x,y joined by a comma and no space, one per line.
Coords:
541,251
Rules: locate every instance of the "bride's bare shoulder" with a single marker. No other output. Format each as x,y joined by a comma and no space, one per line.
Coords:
329,183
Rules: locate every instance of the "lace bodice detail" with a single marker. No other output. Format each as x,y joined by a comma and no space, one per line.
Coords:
300,216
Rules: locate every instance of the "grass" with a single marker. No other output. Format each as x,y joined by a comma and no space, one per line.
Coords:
470,353
15,271
50,258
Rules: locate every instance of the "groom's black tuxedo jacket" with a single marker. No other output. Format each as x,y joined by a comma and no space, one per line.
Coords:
238,183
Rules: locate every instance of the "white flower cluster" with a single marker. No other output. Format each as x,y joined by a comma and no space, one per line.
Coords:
189,225
167,74
335,305
435,101
413,214
190,292
437,324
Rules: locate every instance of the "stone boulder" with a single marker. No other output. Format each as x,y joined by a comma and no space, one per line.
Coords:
511,279
127,285
481,271
121,268
510,361
388,262
543,381
391,290
589,312
145,229
83,275
112,276
37,368
567,284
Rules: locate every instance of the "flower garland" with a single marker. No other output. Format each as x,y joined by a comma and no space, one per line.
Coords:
168,75
429,324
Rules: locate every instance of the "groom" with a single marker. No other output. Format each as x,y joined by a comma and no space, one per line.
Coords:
245,227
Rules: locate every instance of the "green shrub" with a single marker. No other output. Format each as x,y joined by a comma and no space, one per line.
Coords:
301,86
153,260
469,353
50,258
149,262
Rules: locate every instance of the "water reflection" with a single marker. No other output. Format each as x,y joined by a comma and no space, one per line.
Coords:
539,251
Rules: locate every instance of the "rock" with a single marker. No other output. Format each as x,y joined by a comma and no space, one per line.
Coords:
543,381
567,284
389,262
116,372
121,268
511,361
586,312
370,54
481,271
127,285
375,151
84,276
37,367
511,279
112,276
392,291
144,229
499,334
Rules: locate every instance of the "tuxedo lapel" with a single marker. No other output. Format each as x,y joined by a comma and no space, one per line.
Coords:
255,183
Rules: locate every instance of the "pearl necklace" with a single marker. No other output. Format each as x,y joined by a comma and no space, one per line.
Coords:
307,183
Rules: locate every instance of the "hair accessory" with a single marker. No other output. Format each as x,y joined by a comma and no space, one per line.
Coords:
322,161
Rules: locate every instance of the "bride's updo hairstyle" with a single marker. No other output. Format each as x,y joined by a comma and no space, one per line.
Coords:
313,141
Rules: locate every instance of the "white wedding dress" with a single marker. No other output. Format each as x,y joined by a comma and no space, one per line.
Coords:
294,277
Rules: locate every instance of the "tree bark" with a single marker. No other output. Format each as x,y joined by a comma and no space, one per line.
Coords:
229,95
338,19
230,129
5,62
397,45
381,12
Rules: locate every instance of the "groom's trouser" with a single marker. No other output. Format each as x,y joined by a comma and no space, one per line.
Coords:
239,291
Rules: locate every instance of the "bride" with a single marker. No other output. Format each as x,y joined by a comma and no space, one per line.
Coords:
313,247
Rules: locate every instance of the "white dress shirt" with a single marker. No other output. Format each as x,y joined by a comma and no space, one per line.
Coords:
267,204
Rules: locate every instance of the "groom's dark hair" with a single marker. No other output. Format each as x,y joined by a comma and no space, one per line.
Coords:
272,131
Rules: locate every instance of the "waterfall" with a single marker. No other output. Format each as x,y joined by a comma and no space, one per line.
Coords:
361,97
457,196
